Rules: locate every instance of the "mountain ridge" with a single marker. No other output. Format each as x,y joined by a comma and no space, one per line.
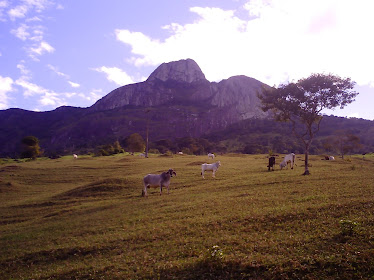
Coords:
179,100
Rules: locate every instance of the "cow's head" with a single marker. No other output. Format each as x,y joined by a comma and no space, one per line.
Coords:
171,172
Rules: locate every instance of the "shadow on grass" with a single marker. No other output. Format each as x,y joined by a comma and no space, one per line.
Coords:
214,270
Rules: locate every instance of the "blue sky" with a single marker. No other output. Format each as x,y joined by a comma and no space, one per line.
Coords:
73,52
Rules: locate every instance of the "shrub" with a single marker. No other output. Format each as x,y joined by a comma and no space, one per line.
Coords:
348,227
154,151
214,254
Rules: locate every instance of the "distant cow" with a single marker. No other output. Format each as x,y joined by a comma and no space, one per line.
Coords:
75,156
288,158
211,155
329,158
271,163
158,180
210,167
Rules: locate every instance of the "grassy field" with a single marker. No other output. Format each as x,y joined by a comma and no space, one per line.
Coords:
86,219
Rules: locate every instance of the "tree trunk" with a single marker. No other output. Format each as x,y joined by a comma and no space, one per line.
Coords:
306,172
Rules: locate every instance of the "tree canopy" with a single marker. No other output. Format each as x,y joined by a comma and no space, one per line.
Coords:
30,147
302,103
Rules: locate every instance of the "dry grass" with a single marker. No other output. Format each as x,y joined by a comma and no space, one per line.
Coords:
86,219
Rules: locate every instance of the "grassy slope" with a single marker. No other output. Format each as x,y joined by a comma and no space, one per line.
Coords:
83,219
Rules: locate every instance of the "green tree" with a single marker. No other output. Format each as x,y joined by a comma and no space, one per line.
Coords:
30,147
135,143
117,147
302,102
345,142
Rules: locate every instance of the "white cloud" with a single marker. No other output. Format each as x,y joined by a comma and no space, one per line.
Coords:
24,71
70,94
23,9
93,96
30,89
3,4
21,32
33,19
5,87
18,12
74,85
55,70
116,75
41,49
281,40
59,73
51,99
45,96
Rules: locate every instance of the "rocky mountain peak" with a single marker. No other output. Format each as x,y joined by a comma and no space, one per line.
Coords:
185,70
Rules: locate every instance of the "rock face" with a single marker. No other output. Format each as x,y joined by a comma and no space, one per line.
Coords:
183,82
181,71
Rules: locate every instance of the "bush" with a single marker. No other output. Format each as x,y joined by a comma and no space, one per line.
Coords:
154,151
214,254
348,227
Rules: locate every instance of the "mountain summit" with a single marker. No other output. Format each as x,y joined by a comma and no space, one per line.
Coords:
181,71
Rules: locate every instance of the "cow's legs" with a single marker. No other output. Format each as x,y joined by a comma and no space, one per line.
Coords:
145,191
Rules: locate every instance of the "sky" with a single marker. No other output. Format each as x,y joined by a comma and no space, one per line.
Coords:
73,52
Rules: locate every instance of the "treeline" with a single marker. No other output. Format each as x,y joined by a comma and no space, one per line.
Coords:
337,136
135,143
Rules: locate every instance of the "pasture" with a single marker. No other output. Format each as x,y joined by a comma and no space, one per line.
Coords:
85,219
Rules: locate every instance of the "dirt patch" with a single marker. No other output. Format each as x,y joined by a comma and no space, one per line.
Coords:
98,188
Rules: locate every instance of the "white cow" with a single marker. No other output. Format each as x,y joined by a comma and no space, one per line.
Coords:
331,158
211,155
288,158
210,167
158,180
75,156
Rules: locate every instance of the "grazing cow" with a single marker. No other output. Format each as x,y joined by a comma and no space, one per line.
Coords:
210,167
211,155
329,158
180,153
158,180
75,156
288,158
271,163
